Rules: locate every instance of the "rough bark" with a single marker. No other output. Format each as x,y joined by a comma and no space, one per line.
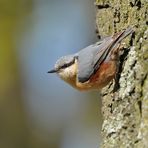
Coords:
125,111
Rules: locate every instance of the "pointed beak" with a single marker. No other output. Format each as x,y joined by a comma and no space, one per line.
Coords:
52,71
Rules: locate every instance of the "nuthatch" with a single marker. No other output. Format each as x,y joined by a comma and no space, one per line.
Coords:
94,66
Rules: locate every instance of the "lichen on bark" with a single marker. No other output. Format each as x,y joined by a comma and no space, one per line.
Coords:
125,111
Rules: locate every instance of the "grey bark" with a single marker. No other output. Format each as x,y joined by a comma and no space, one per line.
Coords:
125,112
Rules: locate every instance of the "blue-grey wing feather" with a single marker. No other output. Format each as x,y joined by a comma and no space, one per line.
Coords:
89,57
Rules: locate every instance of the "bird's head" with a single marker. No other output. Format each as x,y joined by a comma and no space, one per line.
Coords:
66,68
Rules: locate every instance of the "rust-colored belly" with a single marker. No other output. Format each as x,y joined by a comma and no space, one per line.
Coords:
101,78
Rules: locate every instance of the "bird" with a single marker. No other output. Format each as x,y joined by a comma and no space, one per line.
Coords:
93,67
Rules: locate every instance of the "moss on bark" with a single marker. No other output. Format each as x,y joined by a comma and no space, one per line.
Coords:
125,111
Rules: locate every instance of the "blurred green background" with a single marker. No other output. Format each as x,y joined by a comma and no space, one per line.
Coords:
38,110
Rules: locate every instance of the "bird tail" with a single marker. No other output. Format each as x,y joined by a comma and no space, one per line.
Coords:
118,37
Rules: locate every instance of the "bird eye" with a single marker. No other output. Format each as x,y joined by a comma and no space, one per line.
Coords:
67,65
64,66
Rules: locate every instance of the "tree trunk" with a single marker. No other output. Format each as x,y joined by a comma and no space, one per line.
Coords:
125,111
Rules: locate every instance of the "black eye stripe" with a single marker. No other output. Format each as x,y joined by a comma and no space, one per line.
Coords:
66,65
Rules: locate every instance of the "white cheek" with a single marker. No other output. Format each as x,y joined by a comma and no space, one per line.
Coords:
66,73
63,73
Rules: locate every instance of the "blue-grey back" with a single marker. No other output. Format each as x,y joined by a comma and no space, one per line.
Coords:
89,57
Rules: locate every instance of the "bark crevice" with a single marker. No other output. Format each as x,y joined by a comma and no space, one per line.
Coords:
125,111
